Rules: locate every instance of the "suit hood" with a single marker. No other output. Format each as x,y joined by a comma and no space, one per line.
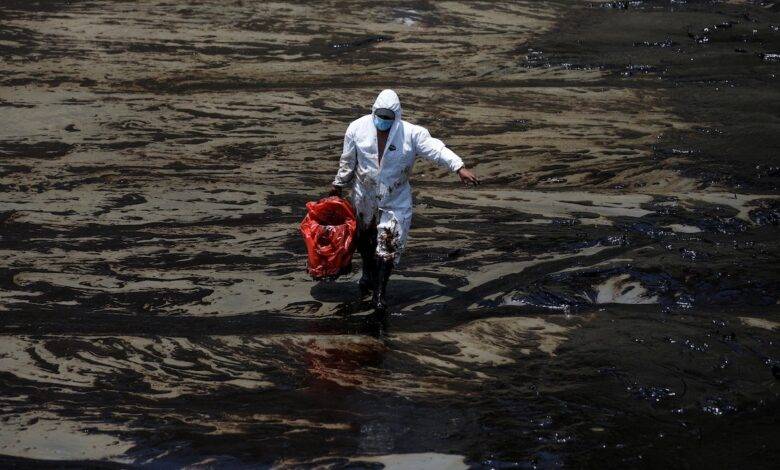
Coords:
388,99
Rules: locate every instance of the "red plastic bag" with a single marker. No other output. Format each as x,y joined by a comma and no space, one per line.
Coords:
329,230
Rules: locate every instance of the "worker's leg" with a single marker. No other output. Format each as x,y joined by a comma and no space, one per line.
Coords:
366,246
388,244
384,267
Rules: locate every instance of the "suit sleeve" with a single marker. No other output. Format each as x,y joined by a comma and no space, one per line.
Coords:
347,162
434,150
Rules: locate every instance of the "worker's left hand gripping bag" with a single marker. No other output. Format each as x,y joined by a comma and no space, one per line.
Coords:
329,231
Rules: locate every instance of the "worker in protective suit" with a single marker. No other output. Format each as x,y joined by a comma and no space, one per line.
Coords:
377,159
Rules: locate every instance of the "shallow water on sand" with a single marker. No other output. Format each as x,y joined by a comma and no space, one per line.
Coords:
607,298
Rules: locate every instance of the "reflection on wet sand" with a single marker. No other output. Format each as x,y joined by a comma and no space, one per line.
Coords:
608,295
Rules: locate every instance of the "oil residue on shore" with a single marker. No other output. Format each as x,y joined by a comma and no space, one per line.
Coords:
608,297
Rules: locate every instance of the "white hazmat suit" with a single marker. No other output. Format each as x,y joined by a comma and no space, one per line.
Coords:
381,190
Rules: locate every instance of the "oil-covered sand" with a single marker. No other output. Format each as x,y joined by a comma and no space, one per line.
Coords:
607,298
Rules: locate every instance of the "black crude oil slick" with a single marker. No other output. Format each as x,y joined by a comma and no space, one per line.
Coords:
607,298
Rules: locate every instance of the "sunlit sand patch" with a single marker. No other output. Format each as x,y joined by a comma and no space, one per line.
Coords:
740,202
15,358
491,272
762,323
172,367
158,205
252,291
421,461
680,228
606,263
8,297
618,289
234,292
424,461
623,289
579,131
239,424
102,283
217,117
491,341
559,204
53,259
94,360
293,45
356,363
46,436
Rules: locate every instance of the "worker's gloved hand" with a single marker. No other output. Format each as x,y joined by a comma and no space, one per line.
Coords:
335,191
468,177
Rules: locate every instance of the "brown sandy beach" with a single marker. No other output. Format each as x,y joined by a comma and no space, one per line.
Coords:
607,298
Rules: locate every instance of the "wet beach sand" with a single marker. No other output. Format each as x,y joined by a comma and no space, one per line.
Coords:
608,298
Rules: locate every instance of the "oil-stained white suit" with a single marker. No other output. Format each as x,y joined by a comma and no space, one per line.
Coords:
381,190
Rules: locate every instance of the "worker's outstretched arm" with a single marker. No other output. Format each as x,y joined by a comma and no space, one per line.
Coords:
347,164
434,150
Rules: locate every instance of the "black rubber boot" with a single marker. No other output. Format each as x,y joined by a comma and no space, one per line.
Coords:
366,282
383,270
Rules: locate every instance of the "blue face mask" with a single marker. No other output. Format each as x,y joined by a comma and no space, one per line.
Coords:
382,124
